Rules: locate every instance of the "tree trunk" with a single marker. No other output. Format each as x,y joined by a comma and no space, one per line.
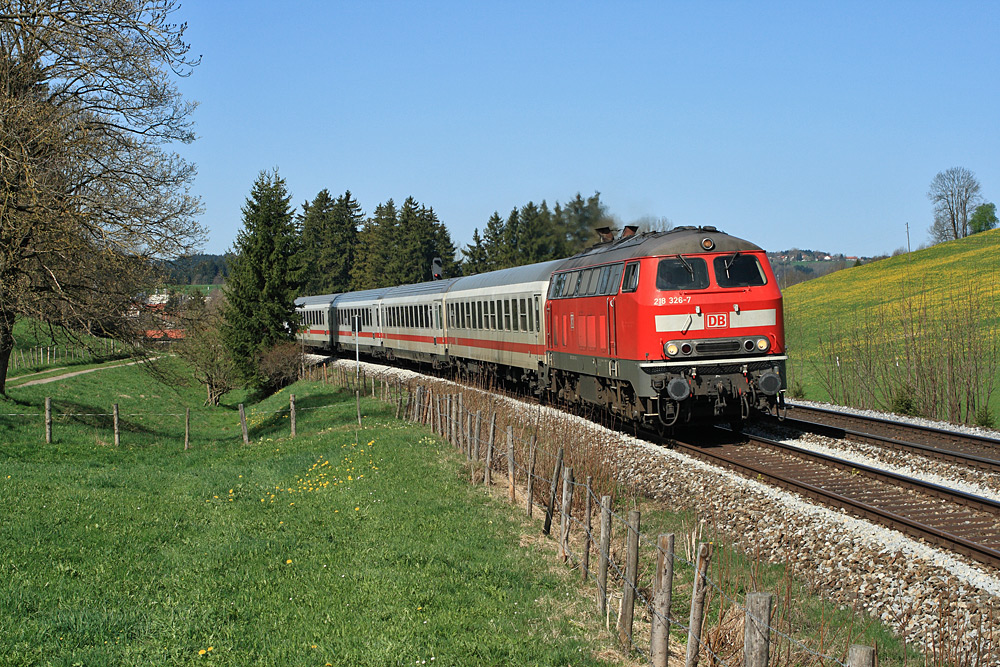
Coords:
6,347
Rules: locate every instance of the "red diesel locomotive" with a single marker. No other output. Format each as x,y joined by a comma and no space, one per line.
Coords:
661,328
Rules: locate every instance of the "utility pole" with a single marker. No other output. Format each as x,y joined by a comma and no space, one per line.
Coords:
907,237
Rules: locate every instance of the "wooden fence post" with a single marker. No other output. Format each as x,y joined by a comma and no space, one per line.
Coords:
475,435
460,420
291,404
546,529
757,629
530,501
663,584
243,425
627,614
860,656
187,428
468,436
697,605
114,419
567,509
585,565
510,462
602,570
488,477
48,420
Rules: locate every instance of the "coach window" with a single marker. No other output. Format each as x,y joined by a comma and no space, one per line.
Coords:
492,310
524,315
531,319
631,280
538,317
513,303
504,306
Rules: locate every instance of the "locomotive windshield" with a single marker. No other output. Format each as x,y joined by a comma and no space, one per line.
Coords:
738,271
678,273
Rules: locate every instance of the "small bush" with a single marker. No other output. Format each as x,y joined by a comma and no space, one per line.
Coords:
797,391
904,403
984,418
280,365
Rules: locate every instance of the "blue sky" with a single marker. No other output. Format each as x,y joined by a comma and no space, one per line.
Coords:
809,124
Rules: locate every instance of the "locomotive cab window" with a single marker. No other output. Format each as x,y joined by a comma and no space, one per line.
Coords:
738,271
681,273
631,281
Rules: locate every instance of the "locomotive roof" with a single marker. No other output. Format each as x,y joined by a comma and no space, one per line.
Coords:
680,240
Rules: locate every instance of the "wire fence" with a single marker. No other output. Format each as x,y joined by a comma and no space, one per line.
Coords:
513,449
505,444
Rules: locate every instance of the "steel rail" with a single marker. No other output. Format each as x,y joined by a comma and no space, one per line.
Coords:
895,520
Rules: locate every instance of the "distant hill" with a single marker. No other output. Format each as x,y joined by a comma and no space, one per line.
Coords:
198,270
891,321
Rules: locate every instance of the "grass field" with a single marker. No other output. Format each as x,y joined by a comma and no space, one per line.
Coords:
838,305
339,547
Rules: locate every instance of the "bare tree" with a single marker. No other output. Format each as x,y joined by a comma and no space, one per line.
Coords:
89,193
955,195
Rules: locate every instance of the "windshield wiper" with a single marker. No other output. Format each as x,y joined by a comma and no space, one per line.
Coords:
687,265
730,261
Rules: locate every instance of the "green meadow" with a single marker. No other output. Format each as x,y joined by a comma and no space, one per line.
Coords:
342,546
839,306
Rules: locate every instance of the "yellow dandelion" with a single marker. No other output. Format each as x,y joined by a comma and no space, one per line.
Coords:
356,509
288,562
211,648
202,652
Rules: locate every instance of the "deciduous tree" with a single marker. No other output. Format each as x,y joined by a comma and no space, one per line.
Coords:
983,218
955,195
89,192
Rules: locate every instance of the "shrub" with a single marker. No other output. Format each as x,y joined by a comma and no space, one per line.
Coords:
280,364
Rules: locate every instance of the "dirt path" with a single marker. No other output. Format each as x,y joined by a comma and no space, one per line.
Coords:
74,373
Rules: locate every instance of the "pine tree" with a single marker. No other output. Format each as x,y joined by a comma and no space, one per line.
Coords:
475,256
444,247
329,237
535,238
377,243
493,239
264,277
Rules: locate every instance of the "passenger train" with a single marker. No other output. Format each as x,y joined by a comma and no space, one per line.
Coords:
661,328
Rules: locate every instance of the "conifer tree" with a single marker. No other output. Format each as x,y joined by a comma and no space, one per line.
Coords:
375,246
493,239
264,278
329,236
475,256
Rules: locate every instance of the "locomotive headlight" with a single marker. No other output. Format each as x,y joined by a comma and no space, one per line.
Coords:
763,344
707,243
671,349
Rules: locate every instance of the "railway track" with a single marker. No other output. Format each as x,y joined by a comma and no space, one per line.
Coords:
975,451
951,519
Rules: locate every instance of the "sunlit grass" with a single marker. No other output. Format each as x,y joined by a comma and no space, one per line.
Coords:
343,546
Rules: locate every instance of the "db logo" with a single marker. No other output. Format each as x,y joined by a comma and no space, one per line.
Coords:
717,320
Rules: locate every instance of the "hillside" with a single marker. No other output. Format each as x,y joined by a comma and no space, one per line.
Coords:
891,322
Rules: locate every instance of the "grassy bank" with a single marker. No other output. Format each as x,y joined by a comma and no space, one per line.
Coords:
341,546
942,292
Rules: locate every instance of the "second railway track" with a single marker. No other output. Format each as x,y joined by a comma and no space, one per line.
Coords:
951,519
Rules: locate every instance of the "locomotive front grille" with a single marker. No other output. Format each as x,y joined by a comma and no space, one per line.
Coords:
718,347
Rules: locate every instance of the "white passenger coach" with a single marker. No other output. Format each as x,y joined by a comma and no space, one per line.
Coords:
490,321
